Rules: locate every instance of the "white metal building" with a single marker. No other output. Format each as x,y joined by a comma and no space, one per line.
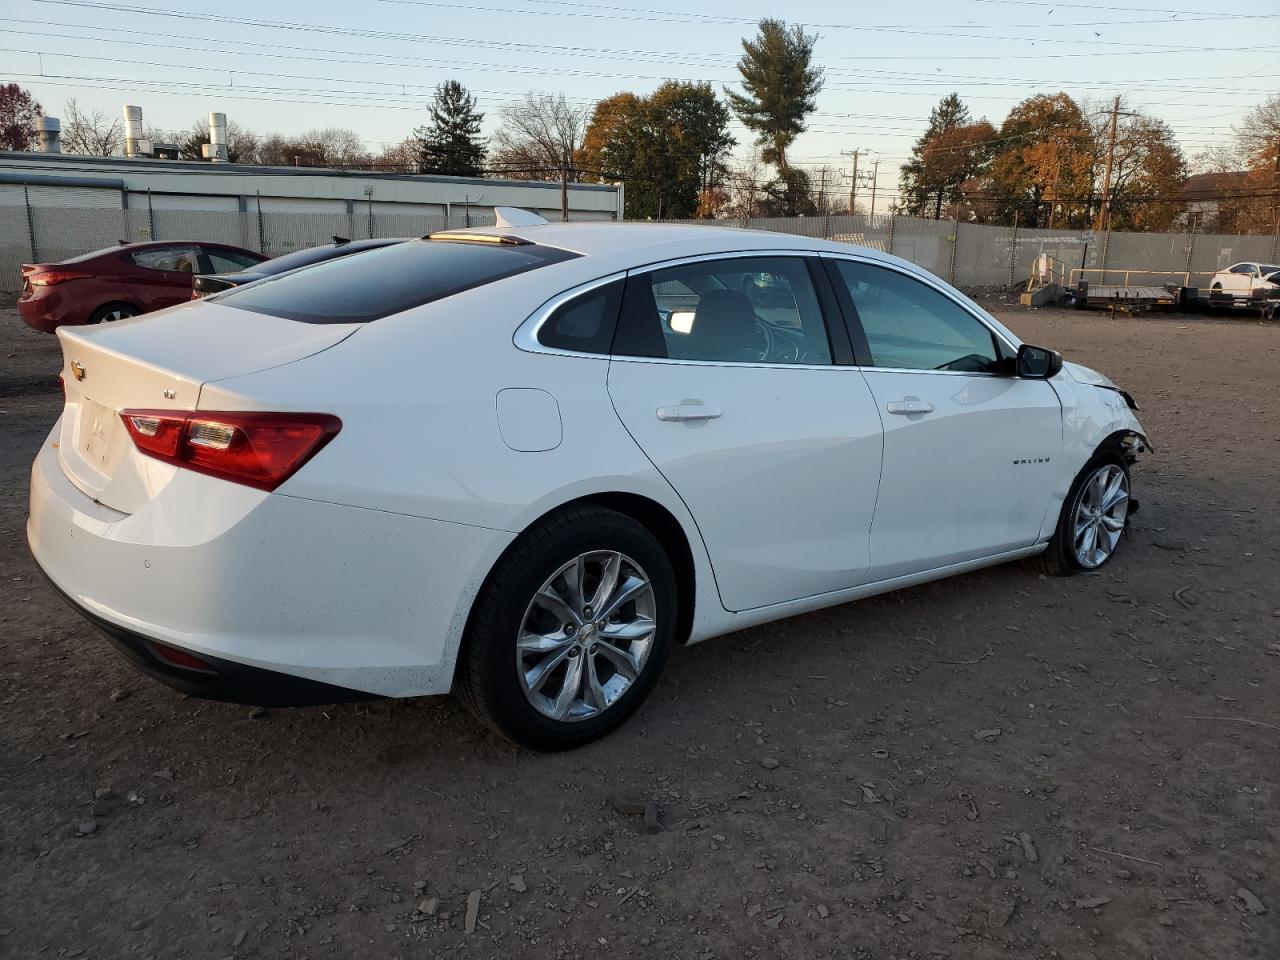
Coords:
65,180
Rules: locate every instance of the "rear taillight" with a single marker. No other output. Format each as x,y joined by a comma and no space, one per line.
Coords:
50,278
261,450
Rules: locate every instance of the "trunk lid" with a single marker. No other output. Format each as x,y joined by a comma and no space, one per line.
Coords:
160,362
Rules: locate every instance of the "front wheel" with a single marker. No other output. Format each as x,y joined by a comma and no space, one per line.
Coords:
1093,518
570,631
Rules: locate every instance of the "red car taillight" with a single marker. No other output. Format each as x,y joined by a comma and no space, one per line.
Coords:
50,278
258,449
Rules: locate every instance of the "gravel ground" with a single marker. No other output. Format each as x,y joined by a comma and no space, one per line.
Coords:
995,765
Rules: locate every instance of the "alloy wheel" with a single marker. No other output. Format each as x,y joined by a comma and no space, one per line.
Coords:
1100,516
586,635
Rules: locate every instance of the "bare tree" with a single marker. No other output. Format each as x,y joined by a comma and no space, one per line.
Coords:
539,137
399,157
90,134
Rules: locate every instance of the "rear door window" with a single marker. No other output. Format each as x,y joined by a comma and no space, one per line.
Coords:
389,280
168,259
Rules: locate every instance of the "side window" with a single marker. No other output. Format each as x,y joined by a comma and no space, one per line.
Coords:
228,261
911,326
740,310
182,259
584,324
1245,268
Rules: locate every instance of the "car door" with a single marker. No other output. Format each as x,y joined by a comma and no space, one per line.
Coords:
724,373
162,275
1242,278
971,452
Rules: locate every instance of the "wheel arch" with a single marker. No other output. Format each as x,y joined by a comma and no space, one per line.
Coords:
655,517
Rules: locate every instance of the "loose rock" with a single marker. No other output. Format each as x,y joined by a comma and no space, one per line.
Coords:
770,763
988,734
87,827
1251,902
1090,903
517,883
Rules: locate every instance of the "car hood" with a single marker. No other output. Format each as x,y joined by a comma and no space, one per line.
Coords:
1083,374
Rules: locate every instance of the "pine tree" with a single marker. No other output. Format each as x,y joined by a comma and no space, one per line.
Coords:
920,196
782,86
451,143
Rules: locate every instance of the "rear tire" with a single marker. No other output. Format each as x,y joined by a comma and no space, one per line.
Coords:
1094,518
110,312
539,663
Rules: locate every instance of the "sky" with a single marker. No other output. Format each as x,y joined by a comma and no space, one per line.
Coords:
371,65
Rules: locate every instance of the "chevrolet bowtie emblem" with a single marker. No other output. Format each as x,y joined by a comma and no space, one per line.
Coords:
77,369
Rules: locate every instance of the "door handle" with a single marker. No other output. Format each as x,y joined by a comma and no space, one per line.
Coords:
909,405
687,411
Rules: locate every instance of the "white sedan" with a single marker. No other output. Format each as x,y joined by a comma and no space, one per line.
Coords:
1245,279
525,462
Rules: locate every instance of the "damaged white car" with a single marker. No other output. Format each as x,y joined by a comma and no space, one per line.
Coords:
524,462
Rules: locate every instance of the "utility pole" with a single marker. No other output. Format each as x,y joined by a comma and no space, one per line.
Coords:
875,174
853,182
564,188
1275,207
822,190
1104,211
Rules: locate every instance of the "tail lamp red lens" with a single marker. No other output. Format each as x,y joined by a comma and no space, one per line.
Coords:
50,278
260,450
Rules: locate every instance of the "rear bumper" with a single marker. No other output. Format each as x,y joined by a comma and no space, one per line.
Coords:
288,600
225,680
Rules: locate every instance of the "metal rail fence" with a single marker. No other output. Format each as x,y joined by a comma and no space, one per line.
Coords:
971,256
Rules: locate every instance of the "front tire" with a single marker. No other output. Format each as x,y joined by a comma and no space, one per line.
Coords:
1094,517
570,631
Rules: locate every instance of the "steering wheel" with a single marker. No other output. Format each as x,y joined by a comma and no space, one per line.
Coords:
765,334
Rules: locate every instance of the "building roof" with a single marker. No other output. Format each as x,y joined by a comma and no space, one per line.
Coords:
1211,186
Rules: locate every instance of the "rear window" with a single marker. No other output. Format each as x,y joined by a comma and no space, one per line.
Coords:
386,281
302,258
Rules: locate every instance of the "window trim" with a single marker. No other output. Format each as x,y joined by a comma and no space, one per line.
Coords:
862,347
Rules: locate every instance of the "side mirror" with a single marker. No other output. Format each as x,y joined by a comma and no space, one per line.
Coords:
1037,363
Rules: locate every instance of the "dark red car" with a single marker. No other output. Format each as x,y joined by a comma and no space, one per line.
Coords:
121,281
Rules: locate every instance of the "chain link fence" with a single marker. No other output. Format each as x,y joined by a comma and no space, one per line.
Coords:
971,256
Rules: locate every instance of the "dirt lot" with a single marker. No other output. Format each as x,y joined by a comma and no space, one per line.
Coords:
997,765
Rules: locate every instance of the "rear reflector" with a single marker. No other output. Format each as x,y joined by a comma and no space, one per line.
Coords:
179,658
257,449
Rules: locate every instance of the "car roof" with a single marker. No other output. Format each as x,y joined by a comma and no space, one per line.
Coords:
651,242
602,237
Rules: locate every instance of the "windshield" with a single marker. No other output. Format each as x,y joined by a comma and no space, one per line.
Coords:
388,280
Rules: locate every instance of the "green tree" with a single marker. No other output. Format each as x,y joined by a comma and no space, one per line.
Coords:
669,147
954,165
918,183
19,112
782,86
451,143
